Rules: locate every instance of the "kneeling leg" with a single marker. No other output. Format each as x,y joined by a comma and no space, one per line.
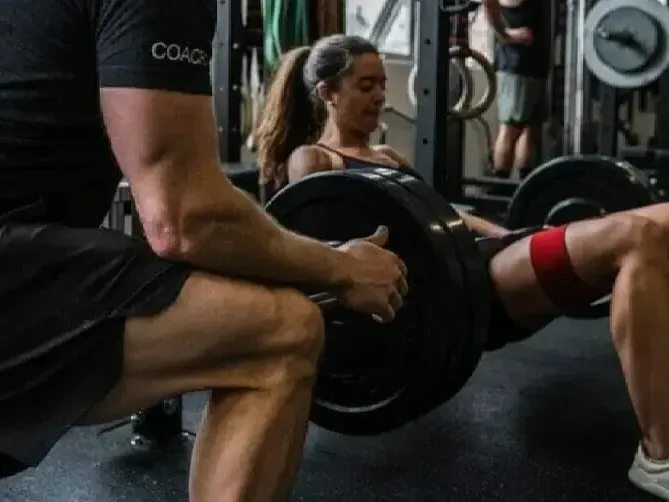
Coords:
256,349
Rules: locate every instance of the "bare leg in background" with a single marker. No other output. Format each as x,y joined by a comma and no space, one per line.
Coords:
505,149
526,149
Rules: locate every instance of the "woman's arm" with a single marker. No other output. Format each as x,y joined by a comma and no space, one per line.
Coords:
476,224
307,160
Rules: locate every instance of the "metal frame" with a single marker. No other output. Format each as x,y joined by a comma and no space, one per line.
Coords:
607,131
436,162
662,111
227,78
578,81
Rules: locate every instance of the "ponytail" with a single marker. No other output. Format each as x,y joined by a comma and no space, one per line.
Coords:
289,119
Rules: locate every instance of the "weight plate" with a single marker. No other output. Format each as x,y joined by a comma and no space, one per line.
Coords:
573,188
374,378
477,281
632,60
626,39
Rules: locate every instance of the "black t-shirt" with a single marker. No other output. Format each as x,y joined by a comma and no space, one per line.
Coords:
56,55
532,60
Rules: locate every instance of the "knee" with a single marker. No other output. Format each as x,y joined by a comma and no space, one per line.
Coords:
639,239
508,134
302,324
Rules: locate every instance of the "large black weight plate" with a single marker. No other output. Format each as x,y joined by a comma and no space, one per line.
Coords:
569,189
374,378
477,283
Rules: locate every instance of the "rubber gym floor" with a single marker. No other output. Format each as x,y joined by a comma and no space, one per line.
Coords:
544,420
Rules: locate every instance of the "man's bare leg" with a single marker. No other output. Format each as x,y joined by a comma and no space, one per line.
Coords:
526,149
257,349
504,149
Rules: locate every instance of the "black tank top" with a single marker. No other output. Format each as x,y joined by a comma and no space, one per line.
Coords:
527,60
267,191
356,163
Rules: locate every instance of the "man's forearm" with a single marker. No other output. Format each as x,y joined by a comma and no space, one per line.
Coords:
251,244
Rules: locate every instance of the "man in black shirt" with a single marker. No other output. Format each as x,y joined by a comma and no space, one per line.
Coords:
95,325
522,60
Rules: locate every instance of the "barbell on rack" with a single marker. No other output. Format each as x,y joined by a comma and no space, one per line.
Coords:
374,378
626,42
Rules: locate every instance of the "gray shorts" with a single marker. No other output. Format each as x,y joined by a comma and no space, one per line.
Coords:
520,99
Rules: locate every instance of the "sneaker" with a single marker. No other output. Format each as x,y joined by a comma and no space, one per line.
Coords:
650,476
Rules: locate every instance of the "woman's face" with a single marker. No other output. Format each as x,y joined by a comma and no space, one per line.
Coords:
358,102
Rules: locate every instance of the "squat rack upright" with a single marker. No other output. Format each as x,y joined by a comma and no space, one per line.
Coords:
439,165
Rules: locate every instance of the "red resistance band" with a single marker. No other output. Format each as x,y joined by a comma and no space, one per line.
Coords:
555,273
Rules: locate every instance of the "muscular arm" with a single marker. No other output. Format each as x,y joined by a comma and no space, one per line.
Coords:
155,100
474,223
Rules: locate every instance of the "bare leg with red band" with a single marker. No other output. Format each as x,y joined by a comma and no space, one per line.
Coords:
555,273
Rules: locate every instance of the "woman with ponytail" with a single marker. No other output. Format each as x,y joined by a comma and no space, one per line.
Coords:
323,106
304,96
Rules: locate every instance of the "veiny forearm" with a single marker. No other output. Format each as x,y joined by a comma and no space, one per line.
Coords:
248,243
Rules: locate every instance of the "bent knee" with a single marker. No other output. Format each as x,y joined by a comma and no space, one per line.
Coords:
301,322
638,237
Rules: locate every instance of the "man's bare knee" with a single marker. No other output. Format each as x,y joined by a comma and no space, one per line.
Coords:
301,323
639,239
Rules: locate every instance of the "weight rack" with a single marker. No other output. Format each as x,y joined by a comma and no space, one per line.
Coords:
440,167
227,78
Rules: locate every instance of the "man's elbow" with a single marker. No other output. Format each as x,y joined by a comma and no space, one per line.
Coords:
167,239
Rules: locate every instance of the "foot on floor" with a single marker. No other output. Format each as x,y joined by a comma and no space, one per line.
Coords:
650,476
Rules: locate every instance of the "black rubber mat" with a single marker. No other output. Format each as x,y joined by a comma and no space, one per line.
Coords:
545,420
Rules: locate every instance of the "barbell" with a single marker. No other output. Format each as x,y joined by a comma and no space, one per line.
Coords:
374,378
626,42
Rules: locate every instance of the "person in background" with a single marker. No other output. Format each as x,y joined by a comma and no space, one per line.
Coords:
322,107
522,60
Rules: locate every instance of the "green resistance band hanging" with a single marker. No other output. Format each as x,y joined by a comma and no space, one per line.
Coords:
285,25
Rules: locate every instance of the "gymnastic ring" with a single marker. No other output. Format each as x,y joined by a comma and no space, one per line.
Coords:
246,110
461,54
467,87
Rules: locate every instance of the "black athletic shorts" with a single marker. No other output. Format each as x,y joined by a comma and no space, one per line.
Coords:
64,296
503,329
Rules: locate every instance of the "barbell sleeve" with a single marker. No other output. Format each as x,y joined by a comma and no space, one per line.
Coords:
324,300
